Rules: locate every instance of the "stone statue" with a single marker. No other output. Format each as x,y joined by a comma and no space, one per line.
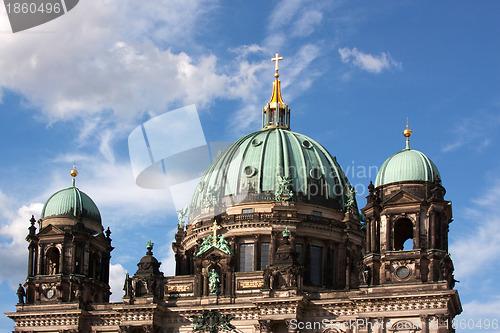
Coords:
282,188
223,245
220,242
205,245
180,215
21,294
78,292
350,204
127,286
52,268
213,282
367,275
212,321
212,196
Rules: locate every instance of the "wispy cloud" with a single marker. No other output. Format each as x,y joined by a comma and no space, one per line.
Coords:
481,245
473,132
368,62
306,23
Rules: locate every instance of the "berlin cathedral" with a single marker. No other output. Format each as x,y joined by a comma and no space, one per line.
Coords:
274,242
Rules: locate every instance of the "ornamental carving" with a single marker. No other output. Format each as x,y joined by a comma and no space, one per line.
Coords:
212,321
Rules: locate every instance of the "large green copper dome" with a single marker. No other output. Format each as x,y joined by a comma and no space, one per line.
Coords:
407,165
264,164
71,202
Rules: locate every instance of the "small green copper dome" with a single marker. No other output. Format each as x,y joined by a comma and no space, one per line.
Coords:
71,202
265,164
407,165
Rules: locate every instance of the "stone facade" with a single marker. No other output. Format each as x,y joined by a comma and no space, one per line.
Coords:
275,243
357,293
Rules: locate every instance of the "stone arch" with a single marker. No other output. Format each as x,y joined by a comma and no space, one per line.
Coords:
52,261
405,326
95,265
403,231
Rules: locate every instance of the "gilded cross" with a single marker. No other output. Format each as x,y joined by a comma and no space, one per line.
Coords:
277,59
214,228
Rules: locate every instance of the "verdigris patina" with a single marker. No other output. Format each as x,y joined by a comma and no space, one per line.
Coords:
212,321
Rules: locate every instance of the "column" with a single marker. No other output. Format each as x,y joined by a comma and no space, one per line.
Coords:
264,326
30,259
40,260
291,328
368,236
416,236
307,259
273,247
256,255
373,230
388,242
432,231
61,259
424,319
348,268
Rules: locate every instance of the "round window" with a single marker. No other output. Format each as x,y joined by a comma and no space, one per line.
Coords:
306,144
250,171
403,272
256,142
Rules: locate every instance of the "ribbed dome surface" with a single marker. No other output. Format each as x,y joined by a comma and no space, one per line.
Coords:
247,172
71,202
406,165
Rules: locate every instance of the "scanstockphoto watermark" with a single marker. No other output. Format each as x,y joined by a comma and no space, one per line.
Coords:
401,325
26,14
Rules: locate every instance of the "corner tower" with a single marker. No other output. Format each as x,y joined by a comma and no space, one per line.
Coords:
407,221
69,255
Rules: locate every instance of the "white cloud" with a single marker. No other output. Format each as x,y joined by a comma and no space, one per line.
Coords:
116,280
102,69
368,62
13,253
483,309
473,131
290,7
473,251
107,69
251,84
111,185
306,23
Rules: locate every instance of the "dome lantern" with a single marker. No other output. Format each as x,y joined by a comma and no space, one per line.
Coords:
276,113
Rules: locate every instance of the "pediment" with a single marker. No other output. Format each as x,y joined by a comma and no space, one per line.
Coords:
402,197
214,251
100,237
50,230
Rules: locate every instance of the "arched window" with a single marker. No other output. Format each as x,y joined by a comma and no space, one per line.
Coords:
52,266
403,232
405,326
94,266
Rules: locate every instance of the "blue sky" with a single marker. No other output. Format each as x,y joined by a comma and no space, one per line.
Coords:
74,89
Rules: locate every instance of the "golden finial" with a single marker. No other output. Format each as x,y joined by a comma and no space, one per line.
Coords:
73,173
277,59
276,112
407,133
